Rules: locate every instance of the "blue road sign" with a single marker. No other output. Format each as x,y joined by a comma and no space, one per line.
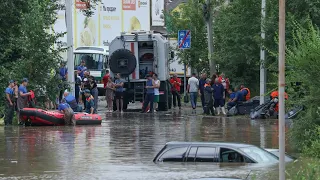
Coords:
184,39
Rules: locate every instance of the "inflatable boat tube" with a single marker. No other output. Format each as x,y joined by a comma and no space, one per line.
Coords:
87,119
260,111
40,117
293,112
233,111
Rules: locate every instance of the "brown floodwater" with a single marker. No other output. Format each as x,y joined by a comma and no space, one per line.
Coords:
124,146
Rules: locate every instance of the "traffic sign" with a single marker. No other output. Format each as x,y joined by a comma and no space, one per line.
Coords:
184,39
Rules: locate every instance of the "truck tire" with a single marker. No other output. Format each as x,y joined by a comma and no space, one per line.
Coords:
122,61
164,105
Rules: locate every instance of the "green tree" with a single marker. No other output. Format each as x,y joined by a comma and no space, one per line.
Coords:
191,17
304,57
238,41
27,48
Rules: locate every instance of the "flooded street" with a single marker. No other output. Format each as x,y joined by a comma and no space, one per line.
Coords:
124,146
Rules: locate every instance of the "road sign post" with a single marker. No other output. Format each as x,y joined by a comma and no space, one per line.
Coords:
184,39
184,42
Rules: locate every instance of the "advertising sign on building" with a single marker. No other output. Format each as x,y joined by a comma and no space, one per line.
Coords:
136,15
109,19
86,29
157,13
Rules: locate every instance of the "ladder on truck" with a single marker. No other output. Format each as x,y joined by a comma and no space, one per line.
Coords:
139,91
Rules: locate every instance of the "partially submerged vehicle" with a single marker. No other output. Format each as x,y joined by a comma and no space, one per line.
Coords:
215,152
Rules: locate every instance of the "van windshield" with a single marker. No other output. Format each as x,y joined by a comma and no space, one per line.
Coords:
93,61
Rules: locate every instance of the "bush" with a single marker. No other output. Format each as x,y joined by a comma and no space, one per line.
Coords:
303,56
304,169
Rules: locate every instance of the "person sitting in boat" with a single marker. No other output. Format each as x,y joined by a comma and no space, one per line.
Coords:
68,113
275,95
71,100
235,98
89,104
232,94
246,92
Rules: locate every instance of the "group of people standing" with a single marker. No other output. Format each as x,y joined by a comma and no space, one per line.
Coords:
213,93
115,89
16,98
86,91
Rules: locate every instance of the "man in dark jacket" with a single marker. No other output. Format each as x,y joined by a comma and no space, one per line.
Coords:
218,96
208,100
202,82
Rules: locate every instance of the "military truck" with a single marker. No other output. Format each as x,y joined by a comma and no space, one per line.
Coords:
136,54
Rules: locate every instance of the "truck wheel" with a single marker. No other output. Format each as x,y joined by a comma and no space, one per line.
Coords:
122,61
164,105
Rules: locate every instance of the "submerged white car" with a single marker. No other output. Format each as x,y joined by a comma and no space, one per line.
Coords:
216,152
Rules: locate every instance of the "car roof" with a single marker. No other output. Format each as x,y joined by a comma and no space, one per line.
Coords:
232,145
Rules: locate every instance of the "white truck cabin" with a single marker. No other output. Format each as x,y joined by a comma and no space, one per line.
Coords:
96,60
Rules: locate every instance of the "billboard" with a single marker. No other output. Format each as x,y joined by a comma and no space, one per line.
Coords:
135,15
157,13
110,18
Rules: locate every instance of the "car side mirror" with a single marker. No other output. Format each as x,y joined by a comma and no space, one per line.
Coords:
172,54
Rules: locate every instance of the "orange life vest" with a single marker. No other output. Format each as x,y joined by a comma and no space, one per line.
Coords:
275,94
247,97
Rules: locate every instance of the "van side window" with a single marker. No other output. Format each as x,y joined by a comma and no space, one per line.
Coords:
192,154
174,154
205,154
230,155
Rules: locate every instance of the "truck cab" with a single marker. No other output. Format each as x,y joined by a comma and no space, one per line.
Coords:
96,59
136,54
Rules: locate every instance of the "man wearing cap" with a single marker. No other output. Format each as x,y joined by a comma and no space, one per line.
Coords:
89,103
82,68
71,100
68,113
23,95
9,107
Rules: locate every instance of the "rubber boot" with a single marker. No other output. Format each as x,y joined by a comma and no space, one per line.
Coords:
218,111
223,111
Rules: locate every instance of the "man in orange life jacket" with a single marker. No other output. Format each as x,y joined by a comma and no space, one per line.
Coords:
246,92
275,94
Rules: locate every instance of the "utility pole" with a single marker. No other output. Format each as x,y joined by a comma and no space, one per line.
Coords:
263,74
70,59
207,8
282,44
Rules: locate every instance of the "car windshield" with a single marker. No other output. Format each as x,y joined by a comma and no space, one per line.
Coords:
93,61
260,155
